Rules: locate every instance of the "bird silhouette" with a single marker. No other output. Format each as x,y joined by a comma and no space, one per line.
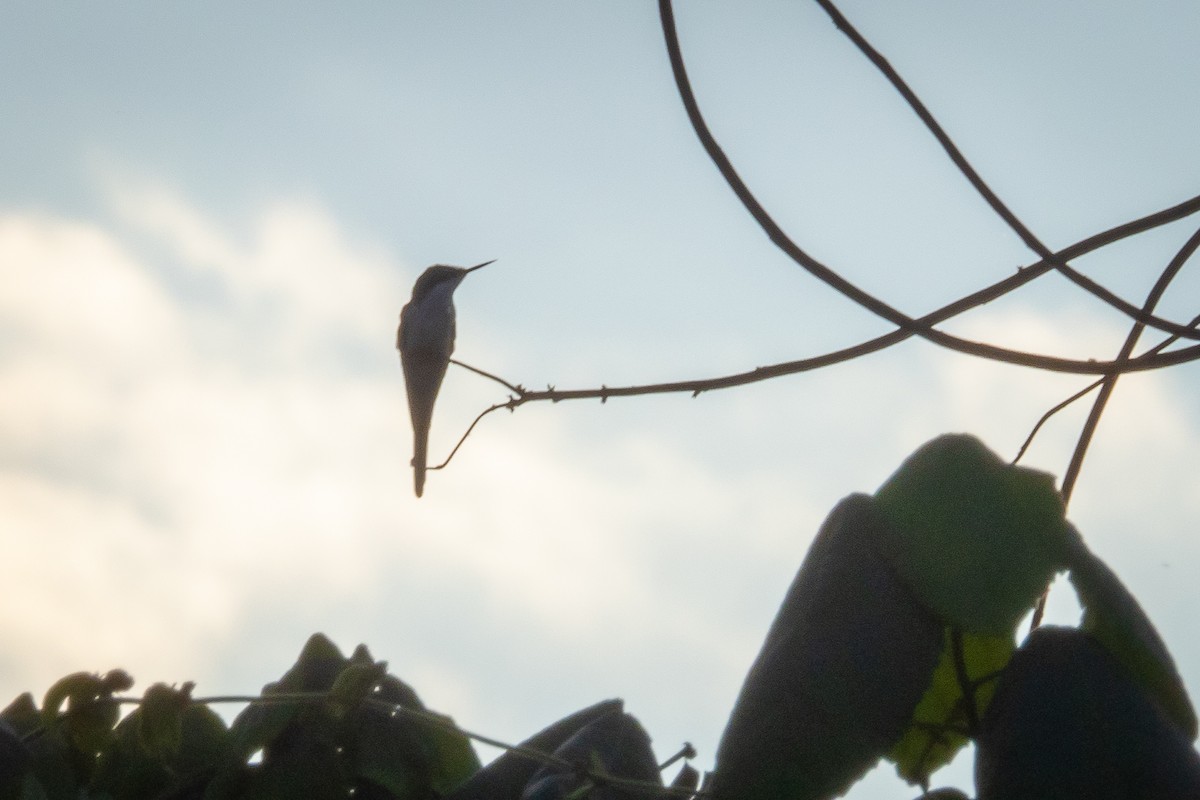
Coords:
425,340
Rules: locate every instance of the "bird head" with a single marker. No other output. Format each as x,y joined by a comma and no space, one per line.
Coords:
442,275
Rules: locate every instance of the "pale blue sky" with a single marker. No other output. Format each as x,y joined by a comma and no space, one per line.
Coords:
211,214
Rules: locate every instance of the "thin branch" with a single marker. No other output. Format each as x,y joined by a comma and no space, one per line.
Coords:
1133,312
1194,324
836,281
477,371
985,295
509,405
1046,417
444,723
921,326
1109,382
685,752
990,197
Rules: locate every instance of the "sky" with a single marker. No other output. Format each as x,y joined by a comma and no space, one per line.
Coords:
212,213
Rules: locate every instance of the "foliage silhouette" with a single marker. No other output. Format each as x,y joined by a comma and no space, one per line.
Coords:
889,644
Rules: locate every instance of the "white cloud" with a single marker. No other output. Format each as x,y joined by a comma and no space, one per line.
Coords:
98,585
242,475
294,267
175,470
164,467
73,290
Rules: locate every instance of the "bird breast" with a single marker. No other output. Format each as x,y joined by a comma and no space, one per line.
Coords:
429,323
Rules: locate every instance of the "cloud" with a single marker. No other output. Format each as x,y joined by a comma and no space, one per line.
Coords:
167,462
96,586
216,466
293,280
203,458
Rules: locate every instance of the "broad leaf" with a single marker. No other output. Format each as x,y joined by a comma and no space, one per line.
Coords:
504,778
1113,616
978,540
1067,722
454,759
22,713
316,669
355,683
940,720
160,721
844,665
15,760
305,764
614,745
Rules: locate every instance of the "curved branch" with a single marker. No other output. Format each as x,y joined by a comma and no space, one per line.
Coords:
1194,324
1110,381
907,324
521,395
990,197
1042,420
509,405
490,376
750,202
986,294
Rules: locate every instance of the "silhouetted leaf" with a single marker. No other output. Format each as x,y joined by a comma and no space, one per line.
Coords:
393,690
316,669
614,745
205,737
935,740
504,778
352,736
125,768
55,765
15,760
79,686
22,714
408,756
252,731
454,759
387,751
260,724
138,764
978,540
361,655
308,766
1113,616
91,712
116,680
355,683
688,778
1067,722
160,721
257,726
834,687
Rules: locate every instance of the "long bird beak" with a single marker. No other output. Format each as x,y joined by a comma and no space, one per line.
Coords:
481,266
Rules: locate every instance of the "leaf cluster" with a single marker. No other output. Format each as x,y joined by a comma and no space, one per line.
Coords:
897,640
328,728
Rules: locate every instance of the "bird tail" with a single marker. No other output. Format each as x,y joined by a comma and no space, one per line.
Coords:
423,378
418,463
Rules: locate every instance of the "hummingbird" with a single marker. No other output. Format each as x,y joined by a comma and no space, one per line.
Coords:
425,340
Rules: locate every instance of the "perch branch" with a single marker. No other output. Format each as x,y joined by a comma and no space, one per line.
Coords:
986,294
